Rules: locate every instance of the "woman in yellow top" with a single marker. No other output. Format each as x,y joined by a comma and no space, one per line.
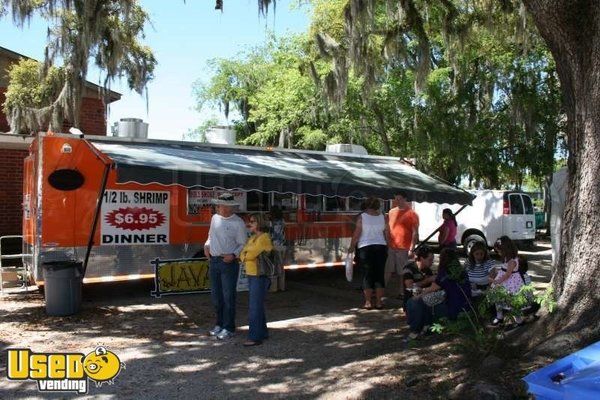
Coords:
258,286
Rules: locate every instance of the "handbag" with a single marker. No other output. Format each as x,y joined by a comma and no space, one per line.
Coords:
349,265
268,263
434,298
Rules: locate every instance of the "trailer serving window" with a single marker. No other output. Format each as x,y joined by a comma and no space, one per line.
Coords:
335,203
257,201
285,201
355,204
314,203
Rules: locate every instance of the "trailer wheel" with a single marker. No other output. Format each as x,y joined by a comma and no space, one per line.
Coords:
471,240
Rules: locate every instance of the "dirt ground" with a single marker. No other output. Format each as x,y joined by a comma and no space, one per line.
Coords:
322,344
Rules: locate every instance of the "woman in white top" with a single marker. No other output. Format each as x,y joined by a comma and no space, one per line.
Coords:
370,239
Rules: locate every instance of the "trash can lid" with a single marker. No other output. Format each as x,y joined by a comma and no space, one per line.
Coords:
62,264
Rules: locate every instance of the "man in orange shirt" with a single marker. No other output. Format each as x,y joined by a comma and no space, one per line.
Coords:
404,237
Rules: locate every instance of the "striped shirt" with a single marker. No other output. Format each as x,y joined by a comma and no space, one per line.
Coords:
478,272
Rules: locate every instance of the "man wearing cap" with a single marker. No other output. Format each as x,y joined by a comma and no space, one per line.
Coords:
226,238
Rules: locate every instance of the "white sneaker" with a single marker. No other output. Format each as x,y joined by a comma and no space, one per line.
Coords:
215,331
413,335
425,329
224,334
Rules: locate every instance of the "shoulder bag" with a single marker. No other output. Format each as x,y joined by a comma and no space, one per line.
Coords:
268,263
434,298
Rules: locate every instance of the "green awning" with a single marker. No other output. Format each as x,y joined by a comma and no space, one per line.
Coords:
274,170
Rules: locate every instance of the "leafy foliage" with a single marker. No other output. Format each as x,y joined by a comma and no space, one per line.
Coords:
109,32
30,89
198,134
471,325
483,106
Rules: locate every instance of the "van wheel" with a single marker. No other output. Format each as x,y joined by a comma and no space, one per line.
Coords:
470,241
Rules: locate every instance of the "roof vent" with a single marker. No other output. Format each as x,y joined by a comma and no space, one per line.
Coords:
344,148
131,128
221,135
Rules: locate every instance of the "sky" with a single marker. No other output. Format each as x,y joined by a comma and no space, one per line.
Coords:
184,35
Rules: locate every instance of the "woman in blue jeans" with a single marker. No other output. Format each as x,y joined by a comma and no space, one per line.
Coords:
258,286
452,278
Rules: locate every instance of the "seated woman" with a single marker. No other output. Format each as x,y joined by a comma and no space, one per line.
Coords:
418,274
451,278
478,266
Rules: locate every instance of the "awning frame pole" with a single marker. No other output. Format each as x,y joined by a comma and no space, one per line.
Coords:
422,242
96,215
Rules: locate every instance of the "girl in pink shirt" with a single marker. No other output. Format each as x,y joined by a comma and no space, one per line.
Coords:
447,236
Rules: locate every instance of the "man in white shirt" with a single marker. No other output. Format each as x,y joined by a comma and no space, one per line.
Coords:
226,238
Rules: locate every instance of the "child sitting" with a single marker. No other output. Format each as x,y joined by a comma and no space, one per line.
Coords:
478,266
508,276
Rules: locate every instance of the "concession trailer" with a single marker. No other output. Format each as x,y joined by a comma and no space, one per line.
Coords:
115,204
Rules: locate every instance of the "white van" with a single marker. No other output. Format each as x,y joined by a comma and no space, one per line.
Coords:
494,213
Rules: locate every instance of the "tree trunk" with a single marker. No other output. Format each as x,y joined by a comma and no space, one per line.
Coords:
379,118
571,30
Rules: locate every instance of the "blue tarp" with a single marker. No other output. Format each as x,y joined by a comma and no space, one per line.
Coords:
576,376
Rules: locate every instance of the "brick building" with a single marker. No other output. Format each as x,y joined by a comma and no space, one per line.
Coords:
14,148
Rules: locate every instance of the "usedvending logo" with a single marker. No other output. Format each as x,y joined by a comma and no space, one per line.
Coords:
64,372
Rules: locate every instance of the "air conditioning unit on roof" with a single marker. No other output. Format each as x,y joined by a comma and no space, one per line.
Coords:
345,148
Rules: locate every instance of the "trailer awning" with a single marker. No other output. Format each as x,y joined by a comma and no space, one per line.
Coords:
276,170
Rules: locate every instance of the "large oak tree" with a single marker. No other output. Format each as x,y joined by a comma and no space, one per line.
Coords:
571,30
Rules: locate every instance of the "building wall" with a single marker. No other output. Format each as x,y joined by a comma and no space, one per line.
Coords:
93,120
11,192
92,116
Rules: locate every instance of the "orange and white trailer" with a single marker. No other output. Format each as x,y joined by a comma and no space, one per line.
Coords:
116,204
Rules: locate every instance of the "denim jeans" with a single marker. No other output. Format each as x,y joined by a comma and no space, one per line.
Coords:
223,286
258,286
419,314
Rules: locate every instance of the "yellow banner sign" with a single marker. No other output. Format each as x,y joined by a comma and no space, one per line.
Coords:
180,276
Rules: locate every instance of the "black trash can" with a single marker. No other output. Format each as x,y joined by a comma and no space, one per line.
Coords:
63,280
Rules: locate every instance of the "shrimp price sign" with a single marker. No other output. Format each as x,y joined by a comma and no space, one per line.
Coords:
134,217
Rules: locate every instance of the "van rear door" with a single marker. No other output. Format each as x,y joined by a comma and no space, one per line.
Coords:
519,218
529,217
